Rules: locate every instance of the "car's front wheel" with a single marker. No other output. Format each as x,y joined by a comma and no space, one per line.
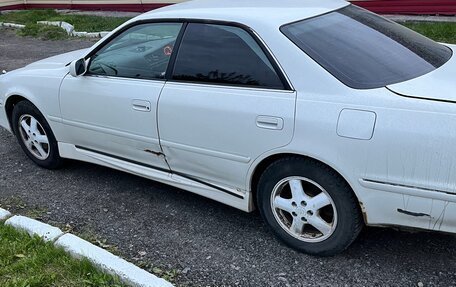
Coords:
35,135
309,206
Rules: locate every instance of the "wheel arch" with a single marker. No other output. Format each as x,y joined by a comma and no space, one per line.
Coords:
267,161
11,101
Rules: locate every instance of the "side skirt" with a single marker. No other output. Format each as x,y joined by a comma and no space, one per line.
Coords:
228,196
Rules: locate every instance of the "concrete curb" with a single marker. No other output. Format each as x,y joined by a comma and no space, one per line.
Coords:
70,29
34,227
79,248
129,273
64,25
4,214
11,25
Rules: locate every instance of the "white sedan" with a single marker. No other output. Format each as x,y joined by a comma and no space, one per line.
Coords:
320,114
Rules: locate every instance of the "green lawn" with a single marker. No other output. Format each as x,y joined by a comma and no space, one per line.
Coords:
85,23
441,32
30,262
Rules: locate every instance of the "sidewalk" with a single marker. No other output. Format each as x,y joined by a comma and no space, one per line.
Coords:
424,18
101,13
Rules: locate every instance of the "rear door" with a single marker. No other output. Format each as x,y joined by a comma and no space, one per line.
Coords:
225,104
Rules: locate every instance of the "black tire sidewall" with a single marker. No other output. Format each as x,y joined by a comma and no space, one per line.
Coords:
26,108
335,186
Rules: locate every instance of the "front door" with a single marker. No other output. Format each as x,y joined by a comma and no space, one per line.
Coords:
112,108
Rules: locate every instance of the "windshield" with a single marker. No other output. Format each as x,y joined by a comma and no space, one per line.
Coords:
364,50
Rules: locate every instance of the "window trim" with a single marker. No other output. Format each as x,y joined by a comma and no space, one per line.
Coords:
287,86
228,86
177,45
267,52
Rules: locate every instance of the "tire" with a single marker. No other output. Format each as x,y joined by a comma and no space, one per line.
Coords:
309,206
35,135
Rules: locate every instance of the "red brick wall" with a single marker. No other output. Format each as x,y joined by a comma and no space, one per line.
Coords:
432,7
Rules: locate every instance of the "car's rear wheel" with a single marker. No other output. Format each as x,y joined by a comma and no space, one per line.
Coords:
309,206
35,135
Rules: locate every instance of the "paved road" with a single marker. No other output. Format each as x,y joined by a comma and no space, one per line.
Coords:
205,243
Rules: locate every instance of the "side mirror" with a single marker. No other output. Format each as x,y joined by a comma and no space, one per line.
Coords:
78,67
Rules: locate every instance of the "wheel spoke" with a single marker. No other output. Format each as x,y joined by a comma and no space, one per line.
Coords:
42,139
33,125
297,191
297,226
40,150
283,204
28,143
320,224
25,126
319,201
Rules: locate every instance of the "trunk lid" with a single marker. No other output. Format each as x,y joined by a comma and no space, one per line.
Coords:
438,85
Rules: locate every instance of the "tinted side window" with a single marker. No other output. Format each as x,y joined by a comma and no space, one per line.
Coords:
141,52
223,55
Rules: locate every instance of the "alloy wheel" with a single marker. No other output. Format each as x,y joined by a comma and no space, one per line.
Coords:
34,137
304,209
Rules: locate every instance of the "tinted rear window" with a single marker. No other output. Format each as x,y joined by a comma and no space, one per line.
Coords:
364,50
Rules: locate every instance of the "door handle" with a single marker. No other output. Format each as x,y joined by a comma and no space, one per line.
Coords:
269,122
140,105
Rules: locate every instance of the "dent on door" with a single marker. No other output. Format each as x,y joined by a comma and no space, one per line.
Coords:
213,133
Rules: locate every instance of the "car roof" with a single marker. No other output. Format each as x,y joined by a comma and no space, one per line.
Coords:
248,12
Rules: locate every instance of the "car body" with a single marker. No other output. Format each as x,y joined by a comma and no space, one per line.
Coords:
375,121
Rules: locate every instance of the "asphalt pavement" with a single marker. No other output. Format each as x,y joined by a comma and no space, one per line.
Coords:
191,240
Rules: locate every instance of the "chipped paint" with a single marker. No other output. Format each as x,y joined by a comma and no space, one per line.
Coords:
411,213
363,211
157,153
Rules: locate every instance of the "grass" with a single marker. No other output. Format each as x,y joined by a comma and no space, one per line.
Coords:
441,32
85,23
29,261
43,32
